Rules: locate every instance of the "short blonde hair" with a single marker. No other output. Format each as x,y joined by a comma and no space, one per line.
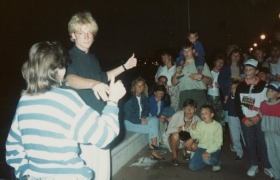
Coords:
134,82
40,71
80,19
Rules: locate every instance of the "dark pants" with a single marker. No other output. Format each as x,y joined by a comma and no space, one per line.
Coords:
254,138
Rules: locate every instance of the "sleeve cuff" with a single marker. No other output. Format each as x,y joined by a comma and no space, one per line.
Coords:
244,119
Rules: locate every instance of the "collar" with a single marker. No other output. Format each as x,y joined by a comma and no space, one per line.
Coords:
255,83
78,51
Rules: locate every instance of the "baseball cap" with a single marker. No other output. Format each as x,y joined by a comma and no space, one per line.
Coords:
274,86
252,62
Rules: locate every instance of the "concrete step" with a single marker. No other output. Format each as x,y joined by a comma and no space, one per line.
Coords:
125,147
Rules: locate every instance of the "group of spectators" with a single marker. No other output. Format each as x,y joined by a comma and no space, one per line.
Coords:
68,115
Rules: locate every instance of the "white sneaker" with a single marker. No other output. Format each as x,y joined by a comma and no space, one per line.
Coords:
253,170
268,172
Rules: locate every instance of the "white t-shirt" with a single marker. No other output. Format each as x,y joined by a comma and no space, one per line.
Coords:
169,73
138,98
214,91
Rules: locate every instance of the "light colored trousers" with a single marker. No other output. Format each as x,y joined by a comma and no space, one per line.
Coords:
273,152
151,128
236,132
98,160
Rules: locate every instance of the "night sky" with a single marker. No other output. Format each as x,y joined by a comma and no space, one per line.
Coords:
126,27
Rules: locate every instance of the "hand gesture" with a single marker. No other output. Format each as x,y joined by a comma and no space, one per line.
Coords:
195,76
131,62
117,90
194,125
217,85
187,124
205,155
101,90
248,123
144,121
179,70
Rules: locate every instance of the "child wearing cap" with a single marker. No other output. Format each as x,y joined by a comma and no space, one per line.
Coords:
269,111
248,97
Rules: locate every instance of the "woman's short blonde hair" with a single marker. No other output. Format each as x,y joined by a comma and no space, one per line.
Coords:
135,81
80,19
40,71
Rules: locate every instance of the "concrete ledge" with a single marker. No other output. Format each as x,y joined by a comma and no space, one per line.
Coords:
125,147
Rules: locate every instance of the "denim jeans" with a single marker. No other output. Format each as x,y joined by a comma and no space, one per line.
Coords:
197,162
151,128
235,131
254,138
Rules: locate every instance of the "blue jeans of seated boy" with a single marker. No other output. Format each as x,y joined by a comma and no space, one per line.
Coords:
151,128
199,61
197,161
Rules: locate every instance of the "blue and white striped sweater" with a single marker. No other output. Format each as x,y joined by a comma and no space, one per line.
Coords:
43,140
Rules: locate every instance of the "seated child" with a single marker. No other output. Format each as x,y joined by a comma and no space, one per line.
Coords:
209,134
198,53
270,124
180,123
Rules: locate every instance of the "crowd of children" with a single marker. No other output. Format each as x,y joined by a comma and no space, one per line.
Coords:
244,93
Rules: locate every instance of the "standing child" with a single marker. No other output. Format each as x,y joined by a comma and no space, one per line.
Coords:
209,133
271,126
248,97
213,92
198,52
234,122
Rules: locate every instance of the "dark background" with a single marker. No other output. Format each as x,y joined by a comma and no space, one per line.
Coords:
125,27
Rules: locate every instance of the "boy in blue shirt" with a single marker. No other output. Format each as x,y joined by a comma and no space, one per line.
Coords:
198,53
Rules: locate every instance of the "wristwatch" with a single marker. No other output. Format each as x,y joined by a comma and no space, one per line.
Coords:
200,78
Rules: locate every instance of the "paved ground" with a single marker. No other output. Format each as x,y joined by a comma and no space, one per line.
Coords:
164,170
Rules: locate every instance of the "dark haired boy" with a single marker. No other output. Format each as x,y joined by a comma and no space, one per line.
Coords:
248,97
273,61
264,74
181,122
198,52
192,84
234,122
209,134
260,53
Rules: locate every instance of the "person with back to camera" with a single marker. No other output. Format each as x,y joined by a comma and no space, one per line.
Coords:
86,77
270,114
209,134
137,116
177,135
50,122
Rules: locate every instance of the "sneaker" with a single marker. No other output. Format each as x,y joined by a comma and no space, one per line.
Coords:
238,158
216,168
180,76
268,172
187,156
231,148
253,170
175,162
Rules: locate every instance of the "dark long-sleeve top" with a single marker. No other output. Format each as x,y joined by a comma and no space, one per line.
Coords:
154,106
225,79
166,98
229,106
132,109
